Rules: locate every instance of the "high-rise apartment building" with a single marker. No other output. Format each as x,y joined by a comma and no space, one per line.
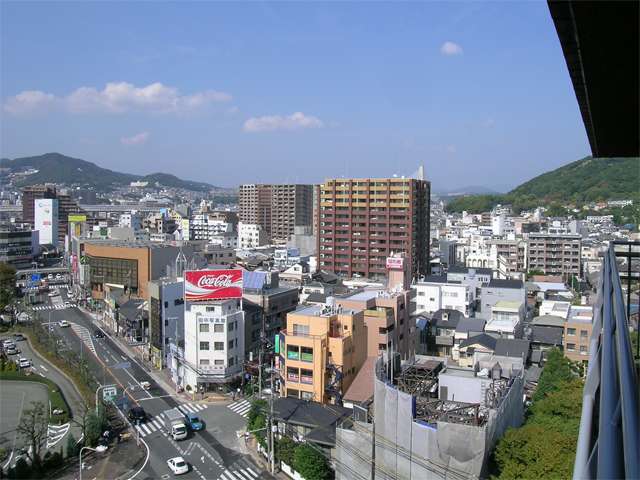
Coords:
32,193
277,208
363,221
554,254
66,206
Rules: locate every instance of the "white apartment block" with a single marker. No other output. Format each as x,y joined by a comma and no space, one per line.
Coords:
433,296
214,343
506,319
130,220
204,227
251,235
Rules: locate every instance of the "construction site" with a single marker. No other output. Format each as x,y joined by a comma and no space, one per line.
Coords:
430,420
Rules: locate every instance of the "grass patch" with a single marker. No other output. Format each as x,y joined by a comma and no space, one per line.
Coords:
55,394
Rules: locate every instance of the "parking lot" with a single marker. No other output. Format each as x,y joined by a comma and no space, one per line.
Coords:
15,397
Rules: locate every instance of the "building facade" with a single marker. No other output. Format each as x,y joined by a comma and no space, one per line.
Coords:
18,245
320,352
364,221
555,254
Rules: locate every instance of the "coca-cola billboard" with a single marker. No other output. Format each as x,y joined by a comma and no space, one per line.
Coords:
212,284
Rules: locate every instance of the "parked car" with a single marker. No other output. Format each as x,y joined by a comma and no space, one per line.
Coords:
63,324
137,415
98,334
177,465
18,337
24,362
11,350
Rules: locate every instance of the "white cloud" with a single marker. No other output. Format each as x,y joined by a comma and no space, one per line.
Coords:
450,48
137,139
117,97
29,101
270,123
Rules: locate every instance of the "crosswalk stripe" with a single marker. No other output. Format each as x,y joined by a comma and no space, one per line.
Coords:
245,474
157,424
227,474
140,431
199,407
182,410
189,408
252,472
244,409
146,428
239,406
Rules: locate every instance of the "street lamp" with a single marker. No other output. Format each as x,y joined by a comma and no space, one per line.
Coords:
98,449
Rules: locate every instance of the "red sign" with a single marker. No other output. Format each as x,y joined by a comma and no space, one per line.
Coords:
212,284
395,263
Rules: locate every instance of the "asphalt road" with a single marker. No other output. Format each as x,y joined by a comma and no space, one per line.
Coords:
210,452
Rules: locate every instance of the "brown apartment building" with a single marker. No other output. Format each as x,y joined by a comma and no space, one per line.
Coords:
555,254
363,221
277,208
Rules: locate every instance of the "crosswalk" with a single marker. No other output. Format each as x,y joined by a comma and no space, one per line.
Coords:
57,306
241,470
55,433
240,407
156,424
84,335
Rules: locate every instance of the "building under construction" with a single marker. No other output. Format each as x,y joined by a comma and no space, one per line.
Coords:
430,420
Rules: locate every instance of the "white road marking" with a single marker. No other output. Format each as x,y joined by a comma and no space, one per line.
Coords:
44,368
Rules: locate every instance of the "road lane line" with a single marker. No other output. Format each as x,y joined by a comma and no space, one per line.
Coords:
44,368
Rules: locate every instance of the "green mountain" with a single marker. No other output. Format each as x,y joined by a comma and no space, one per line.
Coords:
583,181
58,168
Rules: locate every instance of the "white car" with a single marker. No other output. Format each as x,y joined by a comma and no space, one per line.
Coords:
58,276
177,465
63,324
24,362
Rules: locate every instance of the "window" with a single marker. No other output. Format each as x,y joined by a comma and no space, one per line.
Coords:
345,327
204,361
218,346
583,349
306,354
306,395
211,309
232,360
300,329
230,343
584,333
178,301
571,331
218,328
382,330
218,362
421,294
166,323
204,345
204,328
166,304
231,326
382,346
571,347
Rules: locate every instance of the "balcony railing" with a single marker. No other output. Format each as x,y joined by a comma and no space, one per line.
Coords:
608,442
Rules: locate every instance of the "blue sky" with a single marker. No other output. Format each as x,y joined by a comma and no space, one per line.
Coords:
235,93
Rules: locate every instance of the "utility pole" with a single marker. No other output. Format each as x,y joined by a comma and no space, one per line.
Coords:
271,425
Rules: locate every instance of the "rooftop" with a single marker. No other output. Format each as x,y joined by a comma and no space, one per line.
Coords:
501,283
507,306
548,321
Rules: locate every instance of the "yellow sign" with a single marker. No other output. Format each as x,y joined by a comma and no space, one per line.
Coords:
77,218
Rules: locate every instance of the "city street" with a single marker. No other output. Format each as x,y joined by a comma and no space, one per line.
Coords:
213,453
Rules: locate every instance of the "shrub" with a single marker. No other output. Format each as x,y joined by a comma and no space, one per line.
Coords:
285,450
310,463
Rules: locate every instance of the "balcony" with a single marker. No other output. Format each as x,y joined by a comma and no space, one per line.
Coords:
608,442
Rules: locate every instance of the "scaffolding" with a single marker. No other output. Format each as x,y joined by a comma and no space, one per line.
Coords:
448,411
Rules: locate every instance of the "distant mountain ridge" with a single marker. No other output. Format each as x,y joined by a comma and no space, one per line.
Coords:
586,180
58,168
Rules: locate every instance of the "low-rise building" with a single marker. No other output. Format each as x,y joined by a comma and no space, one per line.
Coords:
320,352
436,292
506,319
577,333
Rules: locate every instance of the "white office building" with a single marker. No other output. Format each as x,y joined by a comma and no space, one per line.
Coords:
214,343
435,293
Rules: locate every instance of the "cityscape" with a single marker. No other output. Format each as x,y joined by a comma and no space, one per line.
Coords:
192,286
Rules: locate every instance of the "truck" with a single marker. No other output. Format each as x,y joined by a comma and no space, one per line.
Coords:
174,423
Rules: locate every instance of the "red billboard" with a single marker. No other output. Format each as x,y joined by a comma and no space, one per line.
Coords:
395,263
212,284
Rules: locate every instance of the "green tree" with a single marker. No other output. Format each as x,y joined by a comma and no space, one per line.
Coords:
533,272
93,429
72,446
310,463
557,369
7,285
285,450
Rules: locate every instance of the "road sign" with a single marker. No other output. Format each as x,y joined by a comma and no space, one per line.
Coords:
109,393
